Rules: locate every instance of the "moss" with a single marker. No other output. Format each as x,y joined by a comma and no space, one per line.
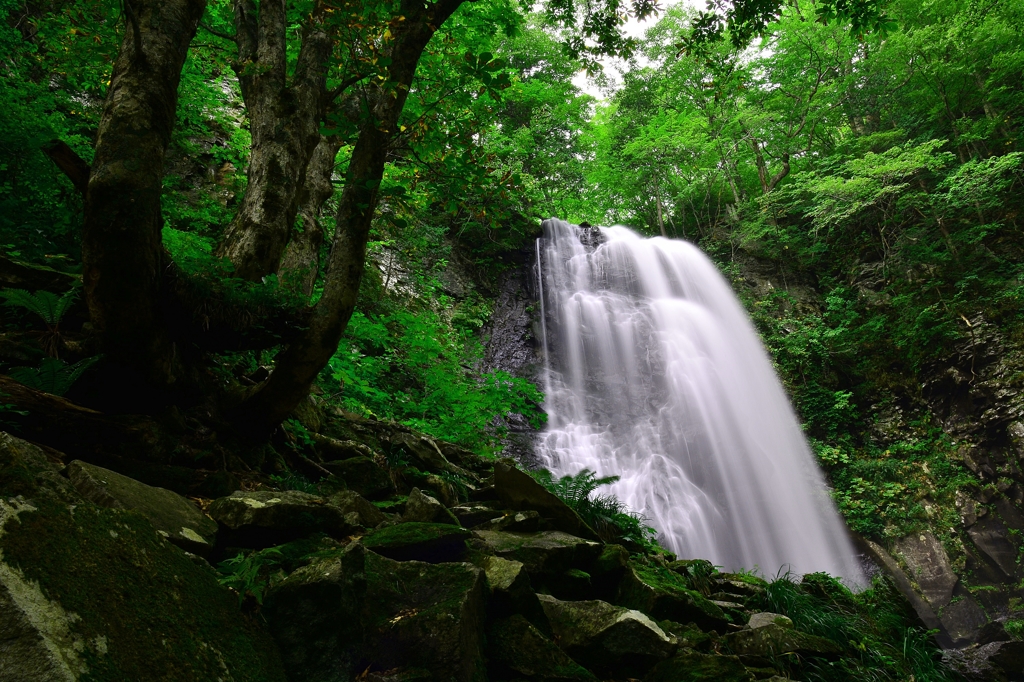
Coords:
162,617
433,542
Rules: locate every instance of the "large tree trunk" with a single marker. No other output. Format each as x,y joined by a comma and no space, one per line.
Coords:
300,363
300,264
122,253
285,123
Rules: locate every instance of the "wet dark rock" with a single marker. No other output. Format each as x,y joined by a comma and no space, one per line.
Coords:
929,567
315,616
993,539
514,522
512,592
993,662
426,616
262,518
520,492
423,508
178,519
614,641
363,475
773,640
573,585
349,501
472,514
543,554
691,666
664,595
427,542
519,649
963,617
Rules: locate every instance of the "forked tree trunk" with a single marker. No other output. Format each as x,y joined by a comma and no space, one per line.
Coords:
300,363
285,127
300,264
122,253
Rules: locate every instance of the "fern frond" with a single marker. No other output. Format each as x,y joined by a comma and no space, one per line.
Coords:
45,304
53,376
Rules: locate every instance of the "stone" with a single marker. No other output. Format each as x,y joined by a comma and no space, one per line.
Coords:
760,620
573,585
315,617
544,553
520,492
963,618
28,471
423,508
991,537
519,648
429,542
663,594
174,516
332,450
614,641
775,640
472,514
349,501
263,519
512,592
426,616
929,567
421,451
363,475
691,666
95,593
515,522
993,662
994,631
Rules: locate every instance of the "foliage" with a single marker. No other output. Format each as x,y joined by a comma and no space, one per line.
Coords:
604,513
48,306
869,625
248,575
53,376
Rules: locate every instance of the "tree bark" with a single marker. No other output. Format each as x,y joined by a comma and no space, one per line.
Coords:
298,365
122,253
285,128
300,264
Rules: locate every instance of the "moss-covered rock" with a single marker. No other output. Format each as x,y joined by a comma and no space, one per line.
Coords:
26,470
520,492
349,501
472,514
517,649
170,513
772,640
765,618
544,554
97,594
515,522
315,616
691,666
422,508
511,592
428,616
663,594
363,475
610,640
430,542
262,519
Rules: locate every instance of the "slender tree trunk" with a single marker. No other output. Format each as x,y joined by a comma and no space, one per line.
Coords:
285,128
299,364
301,261
122,253
657,198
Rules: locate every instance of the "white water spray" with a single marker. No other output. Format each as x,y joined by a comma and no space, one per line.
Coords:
654,373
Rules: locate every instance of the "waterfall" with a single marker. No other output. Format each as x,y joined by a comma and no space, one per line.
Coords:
654,373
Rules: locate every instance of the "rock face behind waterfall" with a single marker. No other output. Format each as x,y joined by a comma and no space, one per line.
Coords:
503,582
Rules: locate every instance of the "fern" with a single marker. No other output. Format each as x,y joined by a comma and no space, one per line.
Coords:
53,376
45,304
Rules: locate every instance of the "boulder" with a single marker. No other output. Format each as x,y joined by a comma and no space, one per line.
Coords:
94,593
262,519
691,666
429,542
421,451
520,492
28,471
349,501
332,449
512,592
573,585
992,662
606,572
423,508
772,640
545,553
663,594
363,475
760,620
315,615
517,648
527,521
613,641
929,567
472,514
993,539
425,616
170,513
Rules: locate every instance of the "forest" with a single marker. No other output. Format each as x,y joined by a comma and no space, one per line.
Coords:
224,223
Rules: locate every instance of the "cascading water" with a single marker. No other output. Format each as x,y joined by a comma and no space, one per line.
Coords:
654,373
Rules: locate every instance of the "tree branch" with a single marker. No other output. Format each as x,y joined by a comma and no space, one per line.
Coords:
70,163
